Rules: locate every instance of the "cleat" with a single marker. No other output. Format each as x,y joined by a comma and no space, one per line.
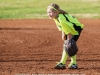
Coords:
60,66
73,66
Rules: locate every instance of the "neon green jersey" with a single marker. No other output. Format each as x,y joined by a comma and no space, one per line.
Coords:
68,24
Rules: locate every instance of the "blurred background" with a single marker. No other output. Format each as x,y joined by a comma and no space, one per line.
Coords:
36,9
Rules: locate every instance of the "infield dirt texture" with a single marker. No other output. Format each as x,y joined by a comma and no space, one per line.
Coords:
29,47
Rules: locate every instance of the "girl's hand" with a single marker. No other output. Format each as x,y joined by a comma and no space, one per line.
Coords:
64,37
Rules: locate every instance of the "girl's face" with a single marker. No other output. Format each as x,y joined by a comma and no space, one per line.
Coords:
52,13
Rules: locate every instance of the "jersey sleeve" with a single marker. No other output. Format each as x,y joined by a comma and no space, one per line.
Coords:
58,25
59,28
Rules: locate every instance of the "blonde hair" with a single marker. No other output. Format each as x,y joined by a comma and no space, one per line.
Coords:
57,8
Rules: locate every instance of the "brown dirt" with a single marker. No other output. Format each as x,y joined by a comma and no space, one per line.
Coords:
32,47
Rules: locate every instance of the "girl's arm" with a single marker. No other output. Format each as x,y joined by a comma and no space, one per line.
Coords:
64,37
69,36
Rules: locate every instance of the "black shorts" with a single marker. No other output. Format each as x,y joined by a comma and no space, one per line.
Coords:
75,37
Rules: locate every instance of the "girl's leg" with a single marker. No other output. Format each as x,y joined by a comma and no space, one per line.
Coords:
64,57
76,37
73,64
73,60
61,64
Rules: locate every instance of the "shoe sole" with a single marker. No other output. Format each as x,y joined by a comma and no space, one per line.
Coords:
59,68
72,68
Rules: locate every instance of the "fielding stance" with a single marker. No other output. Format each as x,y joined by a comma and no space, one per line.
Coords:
71,29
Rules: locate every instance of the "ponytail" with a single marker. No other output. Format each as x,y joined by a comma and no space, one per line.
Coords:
62,12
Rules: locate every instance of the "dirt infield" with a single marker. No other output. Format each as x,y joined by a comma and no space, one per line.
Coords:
32,47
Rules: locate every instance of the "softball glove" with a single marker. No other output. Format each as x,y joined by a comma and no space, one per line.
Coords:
70,47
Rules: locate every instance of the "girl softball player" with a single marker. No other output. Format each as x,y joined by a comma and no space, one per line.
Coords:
71,29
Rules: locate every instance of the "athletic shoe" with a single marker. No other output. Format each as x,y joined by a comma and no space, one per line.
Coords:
60,66
73,66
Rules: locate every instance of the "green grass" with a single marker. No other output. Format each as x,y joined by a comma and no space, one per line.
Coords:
29,9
